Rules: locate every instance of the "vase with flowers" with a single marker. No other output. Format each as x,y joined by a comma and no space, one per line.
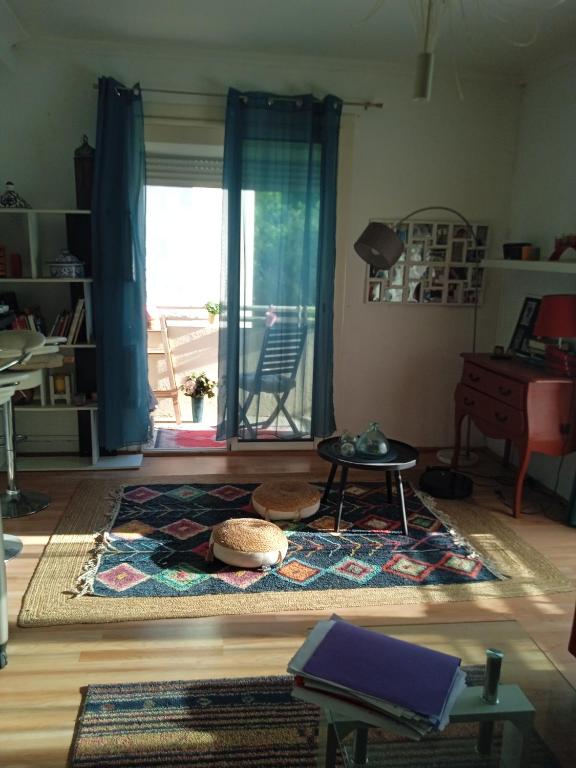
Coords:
197,386
213,309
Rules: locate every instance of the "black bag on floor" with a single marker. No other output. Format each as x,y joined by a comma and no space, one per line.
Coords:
444,483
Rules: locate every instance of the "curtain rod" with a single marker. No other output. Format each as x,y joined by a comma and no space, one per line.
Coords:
364,104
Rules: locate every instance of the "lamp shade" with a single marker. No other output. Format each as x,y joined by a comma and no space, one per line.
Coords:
557,316
379,245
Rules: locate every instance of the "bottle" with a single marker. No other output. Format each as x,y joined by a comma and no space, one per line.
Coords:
347,446
373,441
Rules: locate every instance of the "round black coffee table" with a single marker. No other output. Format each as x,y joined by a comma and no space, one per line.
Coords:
400,456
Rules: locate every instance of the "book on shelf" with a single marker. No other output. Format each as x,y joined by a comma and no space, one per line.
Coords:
68,324
80,335
75,322
342,666
536,347
61,324
28,320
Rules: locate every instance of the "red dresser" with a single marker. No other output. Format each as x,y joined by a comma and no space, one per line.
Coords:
520,403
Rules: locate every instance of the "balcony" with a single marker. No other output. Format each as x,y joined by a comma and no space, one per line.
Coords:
192,336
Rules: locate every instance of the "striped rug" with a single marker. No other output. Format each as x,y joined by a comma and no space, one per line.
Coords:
209,723
252,722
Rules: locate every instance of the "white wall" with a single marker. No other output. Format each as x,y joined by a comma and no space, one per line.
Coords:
395,364
543,206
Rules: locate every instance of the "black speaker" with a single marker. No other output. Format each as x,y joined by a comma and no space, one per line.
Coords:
443,483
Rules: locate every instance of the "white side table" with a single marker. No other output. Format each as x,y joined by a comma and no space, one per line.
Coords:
513,708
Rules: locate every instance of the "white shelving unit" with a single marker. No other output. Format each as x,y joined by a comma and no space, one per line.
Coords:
551,267
35,279
76,463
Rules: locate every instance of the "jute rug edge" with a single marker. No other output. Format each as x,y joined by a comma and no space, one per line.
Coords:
90,512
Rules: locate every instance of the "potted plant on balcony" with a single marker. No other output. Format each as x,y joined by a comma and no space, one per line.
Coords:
213,309
197,386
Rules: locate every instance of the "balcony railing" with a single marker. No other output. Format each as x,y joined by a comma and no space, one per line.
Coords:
193,339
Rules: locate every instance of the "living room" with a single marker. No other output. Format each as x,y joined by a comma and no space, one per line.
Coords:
493,141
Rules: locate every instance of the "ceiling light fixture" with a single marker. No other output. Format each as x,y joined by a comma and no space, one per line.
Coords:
428,16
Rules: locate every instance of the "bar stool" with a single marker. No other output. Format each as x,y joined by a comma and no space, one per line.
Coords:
10,546
9,383
17,347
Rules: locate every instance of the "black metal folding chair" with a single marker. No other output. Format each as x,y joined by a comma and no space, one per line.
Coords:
275,374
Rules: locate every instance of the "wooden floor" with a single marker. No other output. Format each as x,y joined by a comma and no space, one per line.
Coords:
40,687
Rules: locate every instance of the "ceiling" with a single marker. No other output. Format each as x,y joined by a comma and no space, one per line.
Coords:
475,34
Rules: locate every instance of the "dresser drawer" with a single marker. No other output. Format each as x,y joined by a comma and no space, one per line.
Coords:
504,389
499,419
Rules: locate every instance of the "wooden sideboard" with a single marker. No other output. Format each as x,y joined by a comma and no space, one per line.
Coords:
520,403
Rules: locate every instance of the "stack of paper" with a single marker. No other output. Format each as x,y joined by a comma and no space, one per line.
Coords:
357,672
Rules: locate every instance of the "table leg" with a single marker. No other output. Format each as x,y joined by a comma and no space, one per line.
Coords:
506,456
400,492
361,746
485,735
459,416
343,478
389,485
525,454
515,751
328,487
331,747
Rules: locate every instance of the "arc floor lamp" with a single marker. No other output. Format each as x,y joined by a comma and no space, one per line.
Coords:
381,247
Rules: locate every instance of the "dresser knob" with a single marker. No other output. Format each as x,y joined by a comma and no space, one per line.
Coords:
504,391
468,401
473,377
500,417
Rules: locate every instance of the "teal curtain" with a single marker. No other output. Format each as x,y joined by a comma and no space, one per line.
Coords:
118,232
276,347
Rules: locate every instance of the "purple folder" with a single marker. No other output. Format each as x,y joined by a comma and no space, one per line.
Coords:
372,664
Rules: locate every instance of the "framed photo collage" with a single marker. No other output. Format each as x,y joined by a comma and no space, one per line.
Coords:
441,264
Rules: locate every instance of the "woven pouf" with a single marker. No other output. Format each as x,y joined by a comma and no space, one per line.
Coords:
286,500
248,543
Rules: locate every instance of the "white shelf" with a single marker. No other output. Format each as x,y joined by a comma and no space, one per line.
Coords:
558,267
63,280
77,346
53,408
45,210
75,463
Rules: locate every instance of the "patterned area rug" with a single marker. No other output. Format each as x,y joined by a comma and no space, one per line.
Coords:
249,722
371,564
158,544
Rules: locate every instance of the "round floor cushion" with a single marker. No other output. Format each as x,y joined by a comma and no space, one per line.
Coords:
286,500
248,543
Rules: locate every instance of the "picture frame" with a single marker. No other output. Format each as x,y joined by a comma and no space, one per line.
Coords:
524,330
441,265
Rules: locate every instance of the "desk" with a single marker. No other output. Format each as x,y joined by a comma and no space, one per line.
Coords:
520,403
